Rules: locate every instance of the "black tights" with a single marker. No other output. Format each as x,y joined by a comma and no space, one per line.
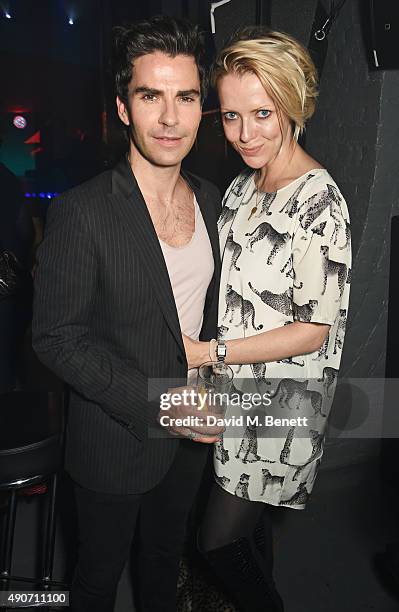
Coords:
228,518
236,539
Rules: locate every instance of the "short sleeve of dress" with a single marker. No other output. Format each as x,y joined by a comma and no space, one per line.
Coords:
321,257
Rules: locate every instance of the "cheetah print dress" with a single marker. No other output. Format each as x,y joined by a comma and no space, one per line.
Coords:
288,261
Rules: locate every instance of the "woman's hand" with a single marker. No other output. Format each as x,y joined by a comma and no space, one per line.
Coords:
197,352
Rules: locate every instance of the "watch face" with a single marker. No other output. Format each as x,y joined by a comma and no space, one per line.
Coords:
221,350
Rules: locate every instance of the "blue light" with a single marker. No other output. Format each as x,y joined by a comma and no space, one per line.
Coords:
49,195
33,195
27,195
41,195
70,21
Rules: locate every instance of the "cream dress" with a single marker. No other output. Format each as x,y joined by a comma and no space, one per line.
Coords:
290,260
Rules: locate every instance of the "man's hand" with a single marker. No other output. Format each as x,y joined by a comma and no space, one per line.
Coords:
181,414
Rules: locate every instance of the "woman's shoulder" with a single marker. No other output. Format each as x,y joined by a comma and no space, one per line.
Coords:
321,195
320,181
318,177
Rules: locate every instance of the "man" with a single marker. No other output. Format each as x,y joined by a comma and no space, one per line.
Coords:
129,262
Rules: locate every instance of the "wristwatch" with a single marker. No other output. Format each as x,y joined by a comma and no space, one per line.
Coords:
221,351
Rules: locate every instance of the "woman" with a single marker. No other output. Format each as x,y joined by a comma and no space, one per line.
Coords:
285,244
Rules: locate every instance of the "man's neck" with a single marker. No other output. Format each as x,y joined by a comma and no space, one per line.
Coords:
154,181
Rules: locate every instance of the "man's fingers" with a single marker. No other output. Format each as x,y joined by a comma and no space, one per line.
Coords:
207,430
200,425
206,439
197,434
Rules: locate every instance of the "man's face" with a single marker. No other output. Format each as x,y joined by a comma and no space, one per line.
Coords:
164,108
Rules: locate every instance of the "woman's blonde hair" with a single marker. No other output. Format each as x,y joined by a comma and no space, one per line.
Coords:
281,63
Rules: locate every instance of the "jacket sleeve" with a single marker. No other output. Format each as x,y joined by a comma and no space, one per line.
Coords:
65,286
209,327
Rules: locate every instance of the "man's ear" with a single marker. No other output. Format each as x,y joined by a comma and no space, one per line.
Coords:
122,112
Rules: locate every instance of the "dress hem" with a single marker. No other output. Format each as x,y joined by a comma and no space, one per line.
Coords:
276,505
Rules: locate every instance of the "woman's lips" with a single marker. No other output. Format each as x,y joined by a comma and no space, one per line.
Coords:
250,152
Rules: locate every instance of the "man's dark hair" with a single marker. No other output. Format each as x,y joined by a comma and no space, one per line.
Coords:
159,33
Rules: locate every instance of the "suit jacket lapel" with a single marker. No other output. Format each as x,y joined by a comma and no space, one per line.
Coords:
130,205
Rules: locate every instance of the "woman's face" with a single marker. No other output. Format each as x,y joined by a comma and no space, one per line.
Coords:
250,119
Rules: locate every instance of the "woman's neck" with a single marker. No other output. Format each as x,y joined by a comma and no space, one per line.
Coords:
291,162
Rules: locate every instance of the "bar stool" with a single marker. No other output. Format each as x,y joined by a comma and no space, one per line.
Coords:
31,449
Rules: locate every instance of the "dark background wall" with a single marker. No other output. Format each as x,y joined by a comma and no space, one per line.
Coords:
355,134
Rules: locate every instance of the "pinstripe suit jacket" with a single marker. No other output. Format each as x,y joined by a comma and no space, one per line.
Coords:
105,321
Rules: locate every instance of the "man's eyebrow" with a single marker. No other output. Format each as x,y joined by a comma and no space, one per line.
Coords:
150,91
147,90
188,92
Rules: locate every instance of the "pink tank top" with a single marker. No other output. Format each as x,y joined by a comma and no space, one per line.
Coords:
190,270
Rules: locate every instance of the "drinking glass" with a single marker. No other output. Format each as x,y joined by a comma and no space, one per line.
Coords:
215,382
